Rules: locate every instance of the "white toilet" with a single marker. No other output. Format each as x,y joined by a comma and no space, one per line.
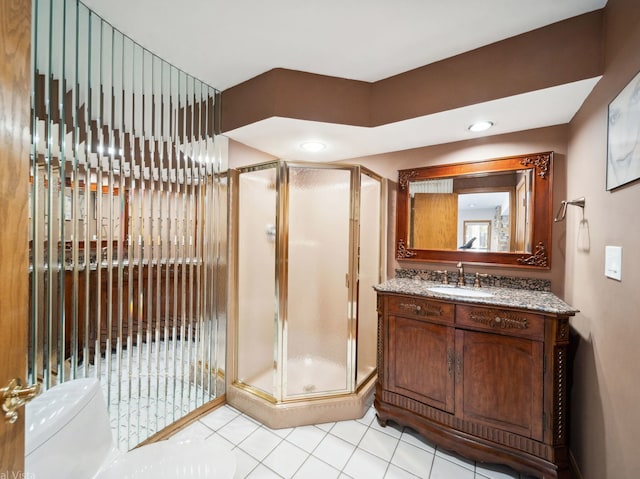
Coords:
68,436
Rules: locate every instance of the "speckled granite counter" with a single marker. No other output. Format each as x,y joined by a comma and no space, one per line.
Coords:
543,301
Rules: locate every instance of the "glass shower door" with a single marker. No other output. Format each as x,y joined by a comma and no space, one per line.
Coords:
257,310
318,321
369,274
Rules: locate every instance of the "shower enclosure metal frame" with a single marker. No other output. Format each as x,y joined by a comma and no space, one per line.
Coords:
281,277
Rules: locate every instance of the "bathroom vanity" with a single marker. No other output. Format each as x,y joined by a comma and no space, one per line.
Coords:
480,372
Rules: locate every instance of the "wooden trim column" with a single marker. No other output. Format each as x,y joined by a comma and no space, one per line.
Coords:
15,81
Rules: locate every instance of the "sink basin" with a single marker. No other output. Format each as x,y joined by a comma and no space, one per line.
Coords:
457,291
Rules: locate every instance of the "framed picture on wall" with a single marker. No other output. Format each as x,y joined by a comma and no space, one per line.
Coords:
623,136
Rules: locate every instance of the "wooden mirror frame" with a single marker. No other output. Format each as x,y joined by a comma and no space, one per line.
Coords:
541,191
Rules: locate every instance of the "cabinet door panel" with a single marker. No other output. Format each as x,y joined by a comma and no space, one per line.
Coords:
421,361
499,381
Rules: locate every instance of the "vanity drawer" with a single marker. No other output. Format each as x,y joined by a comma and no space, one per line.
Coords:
501,321
410,306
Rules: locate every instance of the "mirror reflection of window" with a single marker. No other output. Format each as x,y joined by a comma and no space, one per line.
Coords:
477,236
493,210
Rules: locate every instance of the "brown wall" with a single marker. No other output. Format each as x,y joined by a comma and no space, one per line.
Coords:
243,155
605,421
387,165
560,53
563,52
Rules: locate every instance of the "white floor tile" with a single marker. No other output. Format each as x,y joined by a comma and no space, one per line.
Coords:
496,471
395,472
306,437
334,451
263,472
197,430
379,444
220,417
286,459
413,459
326,426
456,459
314,468
363,465
355,449
391,428
221,441
443,469
282,432
260,443
350,431
238,429
244,464
415,439
368,417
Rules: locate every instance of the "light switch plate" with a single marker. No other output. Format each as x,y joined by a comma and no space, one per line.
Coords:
613,262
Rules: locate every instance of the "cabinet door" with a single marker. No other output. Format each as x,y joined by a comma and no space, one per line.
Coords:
499,381
421,362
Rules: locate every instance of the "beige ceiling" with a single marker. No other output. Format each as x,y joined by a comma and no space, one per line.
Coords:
225,43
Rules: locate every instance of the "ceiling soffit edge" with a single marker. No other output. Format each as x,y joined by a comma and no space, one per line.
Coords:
560,53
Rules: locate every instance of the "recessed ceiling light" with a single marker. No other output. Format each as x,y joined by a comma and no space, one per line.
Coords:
480,126
313,146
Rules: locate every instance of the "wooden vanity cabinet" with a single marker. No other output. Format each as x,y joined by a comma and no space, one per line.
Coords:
421,333
488,383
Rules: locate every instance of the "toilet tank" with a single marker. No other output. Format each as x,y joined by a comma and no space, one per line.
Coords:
68,435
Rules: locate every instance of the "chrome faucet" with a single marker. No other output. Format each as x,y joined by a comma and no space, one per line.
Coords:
460,274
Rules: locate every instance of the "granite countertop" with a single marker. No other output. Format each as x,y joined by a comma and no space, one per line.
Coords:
532,300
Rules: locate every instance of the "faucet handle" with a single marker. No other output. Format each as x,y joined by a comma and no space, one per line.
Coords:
445,279
476,282
460,267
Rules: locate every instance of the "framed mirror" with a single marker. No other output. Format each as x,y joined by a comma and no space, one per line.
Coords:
495,211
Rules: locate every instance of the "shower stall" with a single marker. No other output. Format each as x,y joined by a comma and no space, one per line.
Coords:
307,249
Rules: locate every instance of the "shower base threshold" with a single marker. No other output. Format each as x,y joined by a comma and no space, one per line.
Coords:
303,412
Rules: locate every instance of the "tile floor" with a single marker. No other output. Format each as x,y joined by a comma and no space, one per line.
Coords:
358,449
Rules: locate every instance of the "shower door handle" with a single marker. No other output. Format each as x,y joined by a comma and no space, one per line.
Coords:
14,395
